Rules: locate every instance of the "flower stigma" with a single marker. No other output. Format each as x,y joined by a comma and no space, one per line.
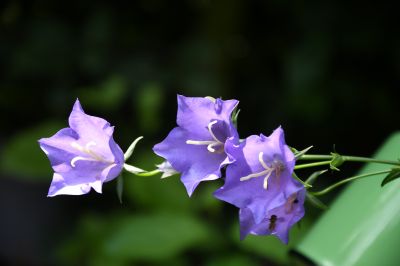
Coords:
92,155
276,166
214,146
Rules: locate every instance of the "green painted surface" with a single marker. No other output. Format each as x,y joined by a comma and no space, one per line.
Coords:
362,227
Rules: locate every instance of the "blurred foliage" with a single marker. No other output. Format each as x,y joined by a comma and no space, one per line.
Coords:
326,71
108,95
20,156
125,238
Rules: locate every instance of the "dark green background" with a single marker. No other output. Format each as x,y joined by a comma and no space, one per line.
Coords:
327,72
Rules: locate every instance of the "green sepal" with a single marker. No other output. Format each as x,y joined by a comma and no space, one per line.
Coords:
337,161
301,181
234,117
298,154
310,180
316,202
129,152
120,187
393,175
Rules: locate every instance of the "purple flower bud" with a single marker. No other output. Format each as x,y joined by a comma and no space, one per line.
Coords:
83,156
196,147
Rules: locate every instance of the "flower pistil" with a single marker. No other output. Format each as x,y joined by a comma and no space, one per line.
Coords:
276,166
211,144
93,156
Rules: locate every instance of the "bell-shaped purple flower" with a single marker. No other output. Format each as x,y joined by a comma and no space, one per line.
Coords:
277,221
83,156
260,176
196,147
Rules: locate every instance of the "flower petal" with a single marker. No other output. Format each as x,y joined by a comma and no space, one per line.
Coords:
251,193
195,113
195,163
59,187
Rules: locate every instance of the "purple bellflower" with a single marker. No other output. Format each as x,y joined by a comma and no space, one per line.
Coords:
277,221
83,156
259,179
196,147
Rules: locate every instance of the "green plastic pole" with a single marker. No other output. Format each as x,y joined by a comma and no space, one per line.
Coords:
362,226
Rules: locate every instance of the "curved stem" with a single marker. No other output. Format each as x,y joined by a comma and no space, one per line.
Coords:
344,181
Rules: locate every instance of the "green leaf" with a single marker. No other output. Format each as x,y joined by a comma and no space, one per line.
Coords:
153,237
22,157
393,175
316,202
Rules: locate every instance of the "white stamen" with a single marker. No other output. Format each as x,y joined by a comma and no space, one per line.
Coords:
93,156
200,142
275,167
80,158
210,143
265,184
210,147
248,177
260,159
211,132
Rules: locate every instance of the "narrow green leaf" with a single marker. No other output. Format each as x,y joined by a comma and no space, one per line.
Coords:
393,175
316,202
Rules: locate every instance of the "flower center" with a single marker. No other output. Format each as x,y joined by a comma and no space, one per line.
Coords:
276,166
92,156
214,146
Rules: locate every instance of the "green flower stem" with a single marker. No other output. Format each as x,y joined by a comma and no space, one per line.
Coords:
344,181
307,165
140,172
311,157
149,173
347,159
369,160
